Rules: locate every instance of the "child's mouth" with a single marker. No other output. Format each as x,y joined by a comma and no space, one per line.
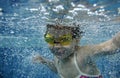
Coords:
59,52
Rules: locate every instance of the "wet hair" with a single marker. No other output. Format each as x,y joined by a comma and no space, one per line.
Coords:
76,32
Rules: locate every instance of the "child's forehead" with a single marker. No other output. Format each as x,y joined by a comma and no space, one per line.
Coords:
58,30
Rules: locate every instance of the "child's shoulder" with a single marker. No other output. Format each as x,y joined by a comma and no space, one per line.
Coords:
85,50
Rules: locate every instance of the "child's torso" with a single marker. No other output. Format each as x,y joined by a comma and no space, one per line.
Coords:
70,68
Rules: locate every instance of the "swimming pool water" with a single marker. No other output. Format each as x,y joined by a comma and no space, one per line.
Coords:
22,27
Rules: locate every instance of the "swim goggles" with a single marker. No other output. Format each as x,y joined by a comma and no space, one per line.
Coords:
63,40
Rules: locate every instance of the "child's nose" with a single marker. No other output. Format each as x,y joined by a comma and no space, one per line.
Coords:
56,42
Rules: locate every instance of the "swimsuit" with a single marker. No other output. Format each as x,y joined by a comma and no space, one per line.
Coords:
81,74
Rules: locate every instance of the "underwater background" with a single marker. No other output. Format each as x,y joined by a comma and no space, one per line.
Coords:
23,24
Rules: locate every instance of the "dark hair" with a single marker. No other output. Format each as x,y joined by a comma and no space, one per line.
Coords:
76,32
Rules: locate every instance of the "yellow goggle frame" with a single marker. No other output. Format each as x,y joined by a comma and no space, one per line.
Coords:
63,40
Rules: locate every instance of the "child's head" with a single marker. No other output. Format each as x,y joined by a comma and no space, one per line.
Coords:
74,30
62,39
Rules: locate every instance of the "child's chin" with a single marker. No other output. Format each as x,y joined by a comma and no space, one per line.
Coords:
61,57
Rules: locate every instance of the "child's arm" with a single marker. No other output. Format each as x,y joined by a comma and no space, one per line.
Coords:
108,46
46,62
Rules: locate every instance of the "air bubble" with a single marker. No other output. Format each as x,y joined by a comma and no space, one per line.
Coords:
12,32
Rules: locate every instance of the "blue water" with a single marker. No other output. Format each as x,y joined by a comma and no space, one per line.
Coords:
22,27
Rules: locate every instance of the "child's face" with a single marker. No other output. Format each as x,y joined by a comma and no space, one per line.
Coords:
60,42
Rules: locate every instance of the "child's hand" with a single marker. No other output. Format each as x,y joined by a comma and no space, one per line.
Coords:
38,58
